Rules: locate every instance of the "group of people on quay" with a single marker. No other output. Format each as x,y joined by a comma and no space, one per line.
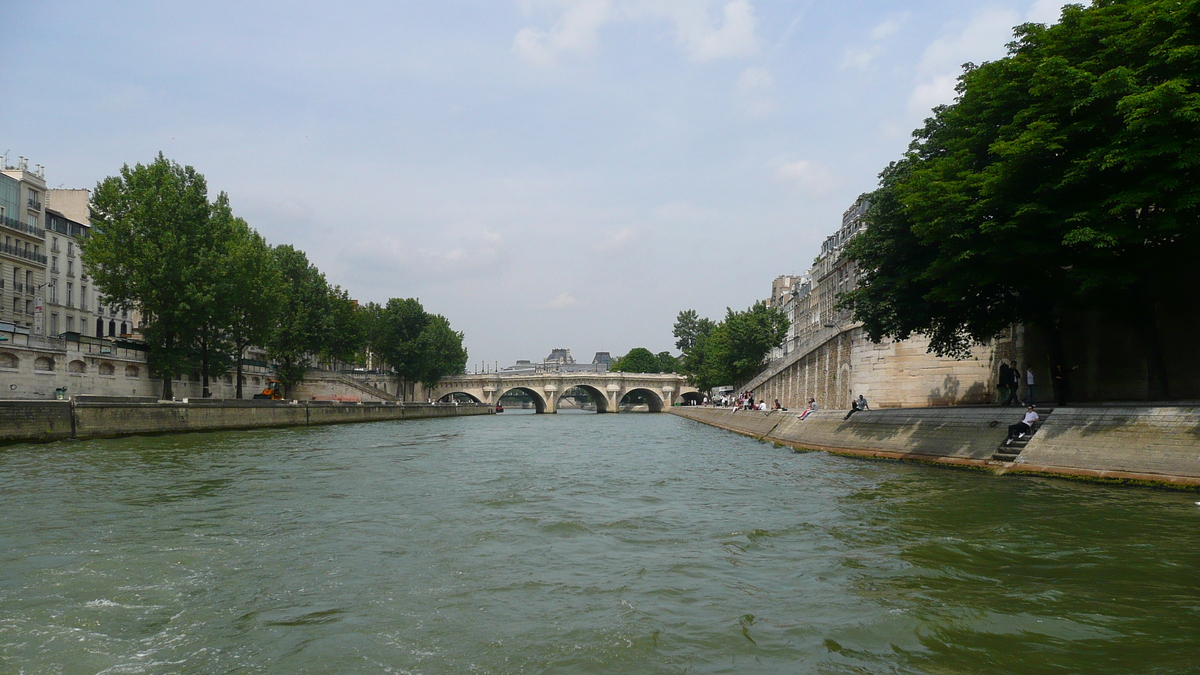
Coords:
1010,383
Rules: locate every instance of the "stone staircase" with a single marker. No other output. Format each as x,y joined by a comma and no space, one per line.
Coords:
1009,453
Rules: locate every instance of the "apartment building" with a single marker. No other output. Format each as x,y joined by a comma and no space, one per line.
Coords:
22,245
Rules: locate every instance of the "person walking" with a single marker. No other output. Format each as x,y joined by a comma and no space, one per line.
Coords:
1062,384
1002,381
1023,427
859,404
1030,398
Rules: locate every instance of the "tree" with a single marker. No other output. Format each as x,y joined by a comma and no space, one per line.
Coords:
254,299
638,360
442,351
345,332
689,328
395,339
1062,178
741,343
147,250
667,363
299,332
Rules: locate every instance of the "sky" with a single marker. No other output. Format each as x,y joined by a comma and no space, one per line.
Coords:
544,173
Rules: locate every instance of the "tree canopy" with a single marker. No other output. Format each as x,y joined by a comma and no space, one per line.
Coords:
732,351
638,360
1063,177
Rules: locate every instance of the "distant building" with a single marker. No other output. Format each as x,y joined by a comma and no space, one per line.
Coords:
559,356
602,359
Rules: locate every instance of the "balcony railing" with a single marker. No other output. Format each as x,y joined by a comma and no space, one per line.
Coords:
18,287
35,204
17,225
20,252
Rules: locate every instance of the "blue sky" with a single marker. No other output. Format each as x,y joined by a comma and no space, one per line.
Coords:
545,173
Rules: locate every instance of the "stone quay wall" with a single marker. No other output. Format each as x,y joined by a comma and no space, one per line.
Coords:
1142,444
101,416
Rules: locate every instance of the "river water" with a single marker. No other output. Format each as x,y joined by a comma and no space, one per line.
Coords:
574,543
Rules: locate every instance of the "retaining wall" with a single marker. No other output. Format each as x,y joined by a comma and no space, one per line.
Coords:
98,417
1159,445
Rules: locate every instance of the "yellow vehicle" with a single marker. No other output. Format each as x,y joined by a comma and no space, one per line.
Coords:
273,391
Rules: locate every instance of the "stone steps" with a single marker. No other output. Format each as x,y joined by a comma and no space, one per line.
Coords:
1008,452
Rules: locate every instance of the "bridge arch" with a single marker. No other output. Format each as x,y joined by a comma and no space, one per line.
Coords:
460,395
692,398
654,401
539,402
597,396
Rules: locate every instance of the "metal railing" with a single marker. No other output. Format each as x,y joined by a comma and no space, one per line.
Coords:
18,287
22,253
35,204
13,223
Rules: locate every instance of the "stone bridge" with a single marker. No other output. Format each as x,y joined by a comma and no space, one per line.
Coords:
605,389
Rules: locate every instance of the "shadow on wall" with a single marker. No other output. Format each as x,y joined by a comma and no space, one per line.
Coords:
950,393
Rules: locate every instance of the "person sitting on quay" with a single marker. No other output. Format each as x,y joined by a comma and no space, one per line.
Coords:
859,403
812,407
1023,427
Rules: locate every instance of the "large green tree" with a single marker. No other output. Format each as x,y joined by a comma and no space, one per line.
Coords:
638,360
442,351
1064,177
732,351
150,249
299,333
253,302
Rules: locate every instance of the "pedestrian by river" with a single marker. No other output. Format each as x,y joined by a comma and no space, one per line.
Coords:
1062,384
812,408
1030,398
1002,381
1014,384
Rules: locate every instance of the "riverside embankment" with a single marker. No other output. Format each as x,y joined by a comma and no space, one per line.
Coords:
1155,445
101,416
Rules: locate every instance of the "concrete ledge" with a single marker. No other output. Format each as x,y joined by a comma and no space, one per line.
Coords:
41,421
1145,445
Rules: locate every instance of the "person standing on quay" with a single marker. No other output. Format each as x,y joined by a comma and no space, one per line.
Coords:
1062,384
1030,399
1002,382
1014,384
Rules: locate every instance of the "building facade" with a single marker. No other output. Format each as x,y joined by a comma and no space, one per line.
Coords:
23,251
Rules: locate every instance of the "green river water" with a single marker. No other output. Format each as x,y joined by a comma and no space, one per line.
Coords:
574,543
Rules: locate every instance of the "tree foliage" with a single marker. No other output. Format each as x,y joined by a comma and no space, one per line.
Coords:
733,351
151,249
1063,177
638,360
415,345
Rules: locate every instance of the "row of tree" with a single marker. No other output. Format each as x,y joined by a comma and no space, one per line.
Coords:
1063,178
209,287
730,352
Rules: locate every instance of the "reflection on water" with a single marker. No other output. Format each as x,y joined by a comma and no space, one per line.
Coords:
574,543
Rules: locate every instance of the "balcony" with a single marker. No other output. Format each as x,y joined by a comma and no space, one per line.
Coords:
18,287
35,204
20,252
54,248
17,225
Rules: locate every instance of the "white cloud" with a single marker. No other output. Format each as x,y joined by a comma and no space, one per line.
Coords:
697,33
888,27
861,57
810,177
982,39
563,301
703,41
617,240
575,32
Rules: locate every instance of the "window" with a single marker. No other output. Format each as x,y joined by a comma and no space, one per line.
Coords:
16,305
69,291
70,324
53,324
54,244
70,248
29,307
83,298
53,292
32,220
54,263
28,281
70,268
